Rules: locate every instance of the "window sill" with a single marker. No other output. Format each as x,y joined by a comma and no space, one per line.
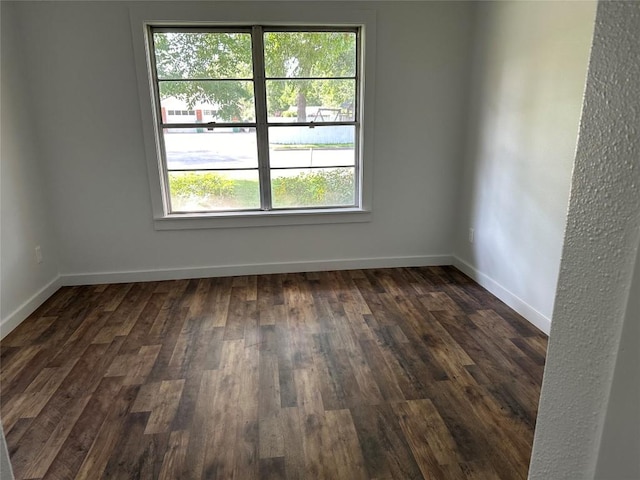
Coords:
193,221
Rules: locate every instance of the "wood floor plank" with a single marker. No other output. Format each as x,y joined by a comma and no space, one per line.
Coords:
85,429
24,334
174,458
203,426
247,435
30,403
406,373
294,458
165,406
272,469
431,442
15,434
108,436
20,363
385,449
312,422
224,415
343,441
384,376
54,435
271,440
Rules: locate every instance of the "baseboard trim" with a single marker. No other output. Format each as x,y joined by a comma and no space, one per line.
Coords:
27,308
14,319
523,308
252,269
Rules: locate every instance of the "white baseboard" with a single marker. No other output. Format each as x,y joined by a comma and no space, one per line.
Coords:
21,313
252,269
15,318
527,311
523,308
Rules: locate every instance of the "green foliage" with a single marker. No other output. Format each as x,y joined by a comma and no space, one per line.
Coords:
203,55
220,56
207,56
191,185
309,54
322,187
211,190
234,99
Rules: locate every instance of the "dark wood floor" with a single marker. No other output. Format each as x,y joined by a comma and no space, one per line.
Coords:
397,373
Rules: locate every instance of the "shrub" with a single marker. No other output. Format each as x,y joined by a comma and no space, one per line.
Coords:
210,190
322,187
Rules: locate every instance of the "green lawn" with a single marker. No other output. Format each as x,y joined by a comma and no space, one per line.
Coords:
246,193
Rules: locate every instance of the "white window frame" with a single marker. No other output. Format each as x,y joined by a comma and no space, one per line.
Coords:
241,14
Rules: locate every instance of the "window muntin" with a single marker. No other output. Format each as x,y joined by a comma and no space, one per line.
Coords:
279,132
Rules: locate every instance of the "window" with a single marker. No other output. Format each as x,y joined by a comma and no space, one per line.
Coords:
286,125
149,18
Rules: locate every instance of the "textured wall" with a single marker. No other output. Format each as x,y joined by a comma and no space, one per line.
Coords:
598,258
620,444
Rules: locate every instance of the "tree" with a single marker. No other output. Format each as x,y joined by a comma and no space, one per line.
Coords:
311,55
293,59
187,57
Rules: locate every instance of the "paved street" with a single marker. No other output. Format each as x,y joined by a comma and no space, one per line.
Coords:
238,150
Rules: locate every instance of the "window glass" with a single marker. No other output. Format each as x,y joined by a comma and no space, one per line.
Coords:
206,191
232,99
200,55
231,143
210,148
312,187
310,54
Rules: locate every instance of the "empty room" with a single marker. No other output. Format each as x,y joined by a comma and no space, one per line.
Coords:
319,240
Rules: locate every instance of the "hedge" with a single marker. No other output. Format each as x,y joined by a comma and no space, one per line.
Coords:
316,188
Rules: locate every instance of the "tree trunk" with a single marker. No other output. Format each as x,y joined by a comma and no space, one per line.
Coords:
302,107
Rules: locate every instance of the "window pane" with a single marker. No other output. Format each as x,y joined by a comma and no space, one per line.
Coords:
232,101
203,55
312,147
311,100
199,148
221,190
310,54
313,187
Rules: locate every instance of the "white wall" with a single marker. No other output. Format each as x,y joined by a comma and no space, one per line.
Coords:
24,203
530,68
592,308
81,73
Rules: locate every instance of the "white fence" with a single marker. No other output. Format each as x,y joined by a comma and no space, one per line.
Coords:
316,135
